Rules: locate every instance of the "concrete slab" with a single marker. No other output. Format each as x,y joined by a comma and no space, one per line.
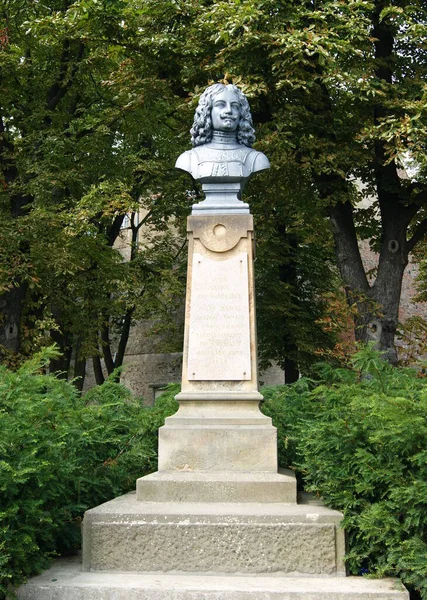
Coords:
126,534
66,581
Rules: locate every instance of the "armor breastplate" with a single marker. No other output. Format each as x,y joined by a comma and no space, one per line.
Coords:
234,164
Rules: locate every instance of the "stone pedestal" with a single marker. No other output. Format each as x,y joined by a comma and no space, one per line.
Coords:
218,506
221,537
219,446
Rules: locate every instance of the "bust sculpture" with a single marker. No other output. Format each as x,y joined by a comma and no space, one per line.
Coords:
222,159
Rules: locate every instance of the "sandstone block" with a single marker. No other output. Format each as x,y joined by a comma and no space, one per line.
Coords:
188,486
129,535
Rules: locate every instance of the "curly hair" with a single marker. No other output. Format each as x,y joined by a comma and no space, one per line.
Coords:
202,131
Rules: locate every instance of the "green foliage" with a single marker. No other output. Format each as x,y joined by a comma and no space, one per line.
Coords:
293,278
88,135
287,405
61,454
358,438
97,102
338,95
413,337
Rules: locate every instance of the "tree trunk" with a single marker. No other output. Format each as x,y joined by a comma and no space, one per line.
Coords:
11,304
377,304
106,350
79,367
386,290
97,369
288,275
291,371
110,362
124,337
61,365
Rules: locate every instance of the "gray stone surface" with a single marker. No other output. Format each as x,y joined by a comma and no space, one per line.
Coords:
236,239
129,535
219,427
219,346
188,486
142,371
66,581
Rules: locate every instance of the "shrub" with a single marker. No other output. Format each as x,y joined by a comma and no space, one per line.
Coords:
358,438
60,454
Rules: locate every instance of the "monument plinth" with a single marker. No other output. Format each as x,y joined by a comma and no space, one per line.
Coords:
219,446
217,514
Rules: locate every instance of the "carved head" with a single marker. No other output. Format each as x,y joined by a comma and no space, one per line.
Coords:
202,130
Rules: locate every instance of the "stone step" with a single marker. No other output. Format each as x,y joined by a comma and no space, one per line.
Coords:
217,486
65,581
129,535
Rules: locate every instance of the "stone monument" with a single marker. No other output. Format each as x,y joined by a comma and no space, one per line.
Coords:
217,520
219,446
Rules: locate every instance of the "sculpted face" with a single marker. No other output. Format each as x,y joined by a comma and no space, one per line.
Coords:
225,113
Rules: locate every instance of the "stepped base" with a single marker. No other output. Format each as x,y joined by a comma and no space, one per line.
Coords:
128,535
217,486
66,581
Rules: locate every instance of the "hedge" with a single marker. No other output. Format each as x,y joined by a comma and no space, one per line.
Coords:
358,438
60,454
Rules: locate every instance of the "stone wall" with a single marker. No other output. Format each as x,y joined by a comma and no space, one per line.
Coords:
147,374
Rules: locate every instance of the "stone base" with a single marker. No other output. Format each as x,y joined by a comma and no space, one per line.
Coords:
128,535
65,581
190,486
218,431
227,448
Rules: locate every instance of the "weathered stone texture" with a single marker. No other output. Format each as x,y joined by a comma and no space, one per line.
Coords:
236,448
188,486
144,371
227,548
128,535
65,581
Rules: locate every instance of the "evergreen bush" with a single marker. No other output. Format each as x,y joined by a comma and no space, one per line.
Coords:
60,454
358,439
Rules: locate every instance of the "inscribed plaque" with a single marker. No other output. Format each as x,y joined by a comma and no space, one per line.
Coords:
219,330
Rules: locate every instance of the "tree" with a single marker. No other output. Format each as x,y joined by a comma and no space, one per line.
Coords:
340,89
294,269
98,97
85,122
